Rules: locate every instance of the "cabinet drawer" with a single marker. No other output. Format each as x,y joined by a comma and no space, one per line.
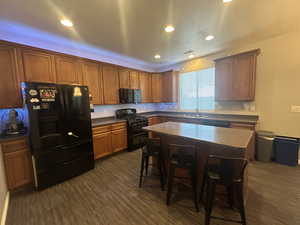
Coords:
13,146
101,129
118,126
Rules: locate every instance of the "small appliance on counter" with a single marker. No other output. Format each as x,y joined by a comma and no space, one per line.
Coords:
13,124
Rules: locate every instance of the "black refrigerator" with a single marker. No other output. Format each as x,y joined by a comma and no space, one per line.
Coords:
60,132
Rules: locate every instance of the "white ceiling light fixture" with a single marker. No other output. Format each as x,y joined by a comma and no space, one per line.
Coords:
157,56
225,1
209,37
66,22
169,28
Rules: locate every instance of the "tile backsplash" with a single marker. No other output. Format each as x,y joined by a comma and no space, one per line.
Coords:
109,110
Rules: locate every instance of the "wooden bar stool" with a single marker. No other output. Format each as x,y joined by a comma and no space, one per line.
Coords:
228,172
152,149
182,157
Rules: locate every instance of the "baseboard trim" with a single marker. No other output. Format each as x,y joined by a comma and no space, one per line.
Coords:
5,208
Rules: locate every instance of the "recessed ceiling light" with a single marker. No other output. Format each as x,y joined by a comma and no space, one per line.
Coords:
191,56
169,28
157,56
209,37
225,1
67,23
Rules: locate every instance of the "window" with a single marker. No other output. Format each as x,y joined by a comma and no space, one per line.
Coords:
197,90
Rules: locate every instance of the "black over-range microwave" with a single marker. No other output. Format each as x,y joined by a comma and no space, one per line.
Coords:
130,96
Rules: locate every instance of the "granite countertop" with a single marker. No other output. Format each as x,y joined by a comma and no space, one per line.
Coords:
237,138
11,138
198,116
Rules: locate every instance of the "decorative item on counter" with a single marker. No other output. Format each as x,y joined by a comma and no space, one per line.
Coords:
13,123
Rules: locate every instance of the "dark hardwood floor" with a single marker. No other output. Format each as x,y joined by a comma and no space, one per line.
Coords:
109,195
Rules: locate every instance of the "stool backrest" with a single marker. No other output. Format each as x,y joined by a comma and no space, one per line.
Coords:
183,154
153,145
229,169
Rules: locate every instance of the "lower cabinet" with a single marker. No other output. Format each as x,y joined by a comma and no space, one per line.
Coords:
102,144
119,140
108,139
18,164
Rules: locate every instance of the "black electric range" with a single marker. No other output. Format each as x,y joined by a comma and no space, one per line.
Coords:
136,136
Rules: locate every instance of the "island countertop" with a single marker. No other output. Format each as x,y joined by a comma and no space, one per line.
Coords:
232,137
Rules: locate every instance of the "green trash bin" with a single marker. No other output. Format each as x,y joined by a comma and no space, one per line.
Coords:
264,147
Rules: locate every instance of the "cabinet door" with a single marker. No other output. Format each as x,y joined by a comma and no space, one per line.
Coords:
110,84
68,70
38,66
170,86
119,140
18,168
10,78
92,77
134,80
244,77
156,83
224,79
145,85
102,145
124,78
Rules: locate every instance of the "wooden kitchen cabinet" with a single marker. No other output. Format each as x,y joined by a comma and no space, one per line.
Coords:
242,126
110,84
170,86
18,164
38,66
134,80
156,86
102,144
108,139
235,77
68,70
119,140
11,76
124,78
145,86
92,77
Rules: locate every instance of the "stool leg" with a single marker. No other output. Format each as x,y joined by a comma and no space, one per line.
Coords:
195,189
210,195
240,199
230,196
147,164
161,174
170,183
202,188
142,170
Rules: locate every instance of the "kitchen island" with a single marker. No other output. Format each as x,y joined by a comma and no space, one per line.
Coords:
208,140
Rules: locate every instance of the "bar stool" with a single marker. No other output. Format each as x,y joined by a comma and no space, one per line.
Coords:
183,157
228,172
152,149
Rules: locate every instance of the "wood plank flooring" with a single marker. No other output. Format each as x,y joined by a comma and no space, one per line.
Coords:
109,195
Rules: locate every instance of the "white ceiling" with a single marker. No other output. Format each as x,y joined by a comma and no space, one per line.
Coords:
135,28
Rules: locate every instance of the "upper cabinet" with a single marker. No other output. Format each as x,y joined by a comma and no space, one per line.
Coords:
134,80
110,84
11,74
170,84
124,78
38,66
145,86
235,77
156,86
92,77
68,70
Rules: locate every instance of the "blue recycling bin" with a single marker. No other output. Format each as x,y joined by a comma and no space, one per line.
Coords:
286,150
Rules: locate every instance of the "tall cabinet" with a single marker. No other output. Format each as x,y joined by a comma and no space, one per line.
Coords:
156,86
110,84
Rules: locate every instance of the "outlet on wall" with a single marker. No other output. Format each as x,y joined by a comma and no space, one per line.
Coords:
295,108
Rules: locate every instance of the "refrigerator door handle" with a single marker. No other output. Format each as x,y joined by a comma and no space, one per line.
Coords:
72,134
